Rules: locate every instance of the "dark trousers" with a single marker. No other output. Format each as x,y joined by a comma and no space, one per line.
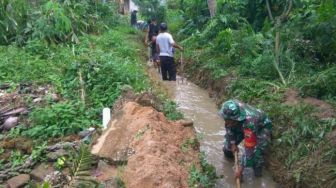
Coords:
168,68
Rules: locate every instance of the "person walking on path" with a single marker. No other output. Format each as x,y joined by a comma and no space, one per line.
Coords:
165,45
134,18
150,40
244,122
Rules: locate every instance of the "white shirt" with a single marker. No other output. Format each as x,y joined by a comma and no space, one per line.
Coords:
165,42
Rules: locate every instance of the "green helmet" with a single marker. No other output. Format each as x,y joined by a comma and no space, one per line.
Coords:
231,111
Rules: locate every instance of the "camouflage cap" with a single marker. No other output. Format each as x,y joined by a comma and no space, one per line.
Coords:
231,110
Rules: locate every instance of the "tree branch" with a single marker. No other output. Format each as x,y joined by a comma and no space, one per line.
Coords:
285,13
269,10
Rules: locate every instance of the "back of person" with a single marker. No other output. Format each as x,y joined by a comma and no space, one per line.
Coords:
165,41
153,31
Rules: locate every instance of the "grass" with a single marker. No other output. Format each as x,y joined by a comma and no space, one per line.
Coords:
106,62
244,59
205,176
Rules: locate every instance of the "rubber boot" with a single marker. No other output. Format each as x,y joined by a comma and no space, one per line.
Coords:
228,154
257,171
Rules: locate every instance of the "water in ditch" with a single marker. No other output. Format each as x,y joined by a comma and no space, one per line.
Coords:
196,104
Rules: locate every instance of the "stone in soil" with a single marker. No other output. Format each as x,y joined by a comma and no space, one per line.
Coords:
18,181
41,171
53,156
10,122
37,100
105,172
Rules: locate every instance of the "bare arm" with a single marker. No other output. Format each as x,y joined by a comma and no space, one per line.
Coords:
175,45
157,48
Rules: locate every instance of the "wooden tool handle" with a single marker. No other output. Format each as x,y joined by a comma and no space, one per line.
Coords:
237,167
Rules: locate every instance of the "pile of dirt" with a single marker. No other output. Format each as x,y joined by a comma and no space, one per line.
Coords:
323,109
150,145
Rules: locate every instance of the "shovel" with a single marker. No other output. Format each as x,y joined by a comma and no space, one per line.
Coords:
182,68
236,168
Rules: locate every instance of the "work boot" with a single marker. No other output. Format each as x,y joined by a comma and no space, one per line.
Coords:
257,171
228,154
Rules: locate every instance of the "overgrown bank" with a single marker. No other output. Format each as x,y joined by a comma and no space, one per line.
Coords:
61,63
233,57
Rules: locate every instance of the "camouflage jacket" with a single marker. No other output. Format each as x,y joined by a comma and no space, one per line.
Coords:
257,121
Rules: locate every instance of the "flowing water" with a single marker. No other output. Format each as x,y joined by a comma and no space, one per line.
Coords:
196,104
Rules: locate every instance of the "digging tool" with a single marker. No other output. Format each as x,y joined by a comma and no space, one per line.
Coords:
182,67
236,168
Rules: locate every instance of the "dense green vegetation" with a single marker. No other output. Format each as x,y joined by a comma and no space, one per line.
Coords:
105,63
256,54
151,9
80,50
53,21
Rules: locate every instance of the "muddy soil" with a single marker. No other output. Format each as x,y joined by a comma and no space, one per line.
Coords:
149,146
323,109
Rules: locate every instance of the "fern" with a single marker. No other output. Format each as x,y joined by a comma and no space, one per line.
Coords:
80,169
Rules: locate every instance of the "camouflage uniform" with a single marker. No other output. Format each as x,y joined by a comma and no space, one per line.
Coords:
255,130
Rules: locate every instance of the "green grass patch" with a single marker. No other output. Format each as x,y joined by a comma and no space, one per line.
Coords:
106,63
204,177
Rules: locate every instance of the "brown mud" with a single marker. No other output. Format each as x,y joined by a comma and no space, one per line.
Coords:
148,145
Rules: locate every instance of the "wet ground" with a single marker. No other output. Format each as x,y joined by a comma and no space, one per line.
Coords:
196,104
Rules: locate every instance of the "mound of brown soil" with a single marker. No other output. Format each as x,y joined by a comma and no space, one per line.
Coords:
324,110
150,144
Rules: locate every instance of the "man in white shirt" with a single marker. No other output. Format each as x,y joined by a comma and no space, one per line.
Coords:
165,45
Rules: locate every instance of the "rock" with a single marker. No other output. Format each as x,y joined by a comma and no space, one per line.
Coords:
40,89
41,171
18,181
105,171
53,156
86,132
25,88
22,110
37,100
10,123
4,86
186,123
56,178
55,97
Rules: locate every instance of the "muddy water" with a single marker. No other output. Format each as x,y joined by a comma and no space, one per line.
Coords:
195,103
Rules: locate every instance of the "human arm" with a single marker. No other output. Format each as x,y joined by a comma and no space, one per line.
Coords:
233,136
157,48
264,131
175,45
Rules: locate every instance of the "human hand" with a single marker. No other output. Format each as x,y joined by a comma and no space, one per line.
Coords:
234,148
238,172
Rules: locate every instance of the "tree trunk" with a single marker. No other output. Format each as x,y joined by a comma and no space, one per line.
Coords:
212,7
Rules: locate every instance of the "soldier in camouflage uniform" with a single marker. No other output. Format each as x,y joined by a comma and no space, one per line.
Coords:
244,122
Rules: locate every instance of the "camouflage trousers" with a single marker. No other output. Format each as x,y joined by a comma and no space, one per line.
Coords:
250,156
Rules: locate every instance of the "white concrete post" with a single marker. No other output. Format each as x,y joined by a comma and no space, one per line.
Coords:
106,117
